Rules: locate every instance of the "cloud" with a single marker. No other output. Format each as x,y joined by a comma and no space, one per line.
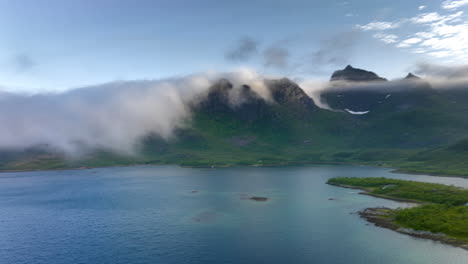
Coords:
335,50
243,50
22,62
408,42
386,38
276,57
424,35
454,4
438,36
379,25
422,7
314,89
442,71
113,116
426,18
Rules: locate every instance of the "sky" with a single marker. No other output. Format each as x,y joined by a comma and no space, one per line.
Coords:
56,45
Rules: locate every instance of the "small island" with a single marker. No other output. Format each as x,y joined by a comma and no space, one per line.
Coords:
442,214
258,199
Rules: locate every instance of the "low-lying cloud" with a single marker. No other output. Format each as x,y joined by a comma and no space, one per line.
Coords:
113,116
116,116
443,71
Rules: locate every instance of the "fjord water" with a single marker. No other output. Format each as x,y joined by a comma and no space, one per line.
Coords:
168,214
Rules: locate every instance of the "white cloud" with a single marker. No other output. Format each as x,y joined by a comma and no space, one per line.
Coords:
113,116
403,45
454,4
379,25
412,40
424,35
456,43
418,51
408,42
387,38
451,18
440,54
422,7
426,18
441,36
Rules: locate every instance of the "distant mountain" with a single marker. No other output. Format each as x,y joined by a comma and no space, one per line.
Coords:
397,95
354,74
411,76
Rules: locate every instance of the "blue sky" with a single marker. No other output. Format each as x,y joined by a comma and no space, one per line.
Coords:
53,45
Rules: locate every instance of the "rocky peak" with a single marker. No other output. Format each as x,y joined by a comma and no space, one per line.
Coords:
287,92
354,74
218,96
411,76
247,104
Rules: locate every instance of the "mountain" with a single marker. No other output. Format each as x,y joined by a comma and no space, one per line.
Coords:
356,75
411,76
404,123
399,95
406,113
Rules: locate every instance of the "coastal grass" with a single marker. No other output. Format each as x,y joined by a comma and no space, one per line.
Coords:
411,190
444,208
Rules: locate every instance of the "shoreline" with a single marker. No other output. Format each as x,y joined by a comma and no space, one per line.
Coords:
402,171
366,192
285,164
382,217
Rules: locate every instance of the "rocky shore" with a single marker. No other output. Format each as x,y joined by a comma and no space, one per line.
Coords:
384,217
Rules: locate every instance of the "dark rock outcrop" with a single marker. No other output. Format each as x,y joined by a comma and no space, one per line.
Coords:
288,93
246,104
356,75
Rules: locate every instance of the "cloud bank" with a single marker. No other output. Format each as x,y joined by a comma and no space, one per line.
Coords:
113,116
116,116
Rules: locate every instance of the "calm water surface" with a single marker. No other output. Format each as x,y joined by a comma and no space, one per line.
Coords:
168,214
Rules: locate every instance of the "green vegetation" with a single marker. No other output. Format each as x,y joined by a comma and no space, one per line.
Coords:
411,190
436,218
443,208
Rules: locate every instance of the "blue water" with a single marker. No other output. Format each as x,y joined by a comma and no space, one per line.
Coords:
150,214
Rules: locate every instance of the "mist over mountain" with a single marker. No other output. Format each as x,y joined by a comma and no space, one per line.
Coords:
233,118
